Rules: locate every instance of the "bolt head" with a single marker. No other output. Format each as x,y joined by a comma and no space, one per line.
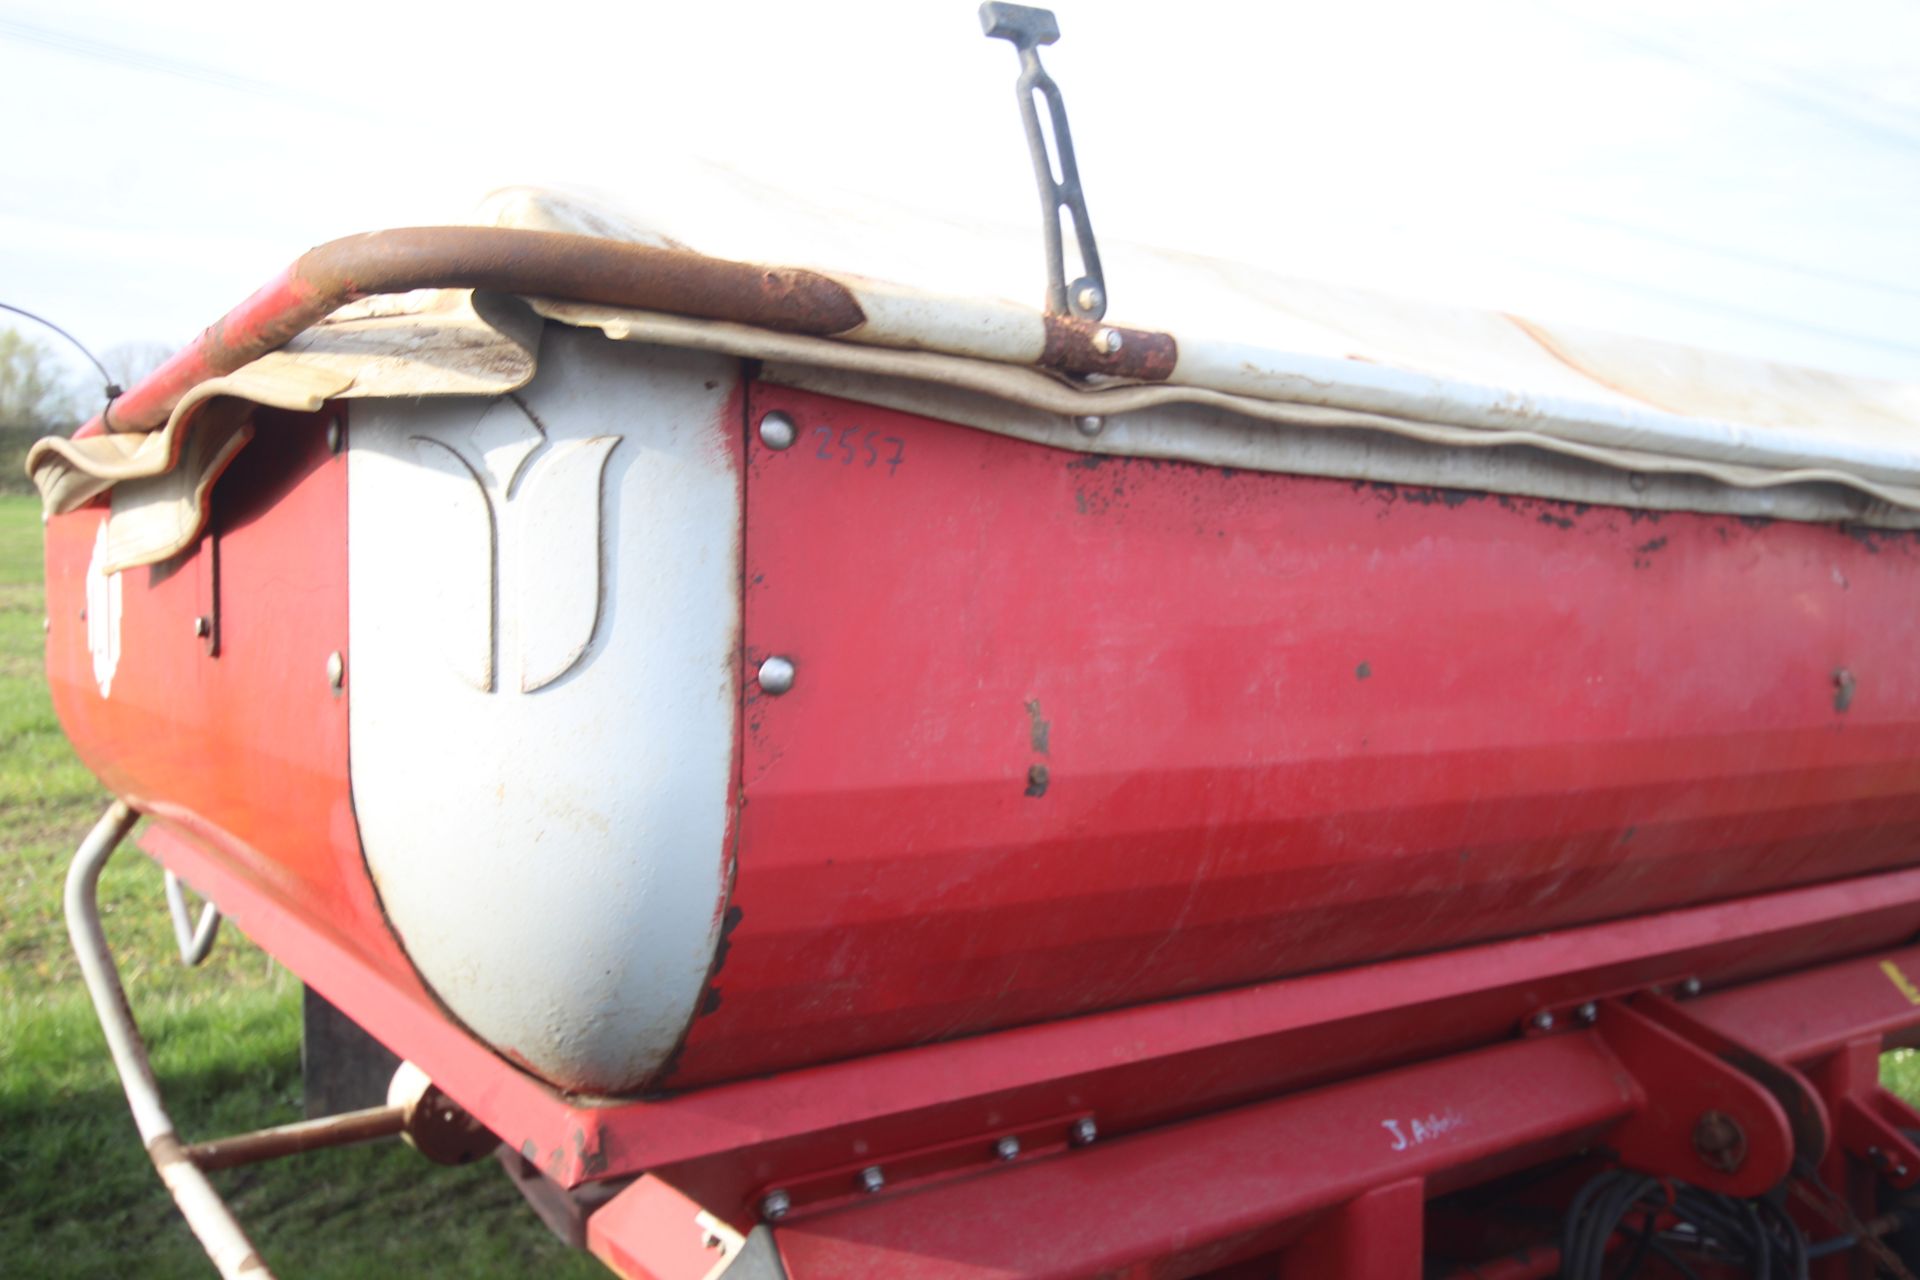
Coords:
777,431
201,626
336,671
1588,1012
1090,297
1690,988
776,675
776,1206
1083,1132
1720,1141
1541,1021
1090,425
1007,1148
333,435
1108,341
872,1178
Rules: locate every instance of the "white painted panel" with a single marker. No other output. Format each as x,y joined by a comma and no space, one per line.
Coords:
459,591
550,845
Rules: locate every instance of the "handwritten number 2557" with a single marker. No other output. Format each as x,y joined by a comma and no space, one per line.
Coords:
843,448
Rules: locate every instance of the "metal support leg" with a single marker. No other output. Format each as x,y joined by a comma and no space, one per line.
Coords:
199,1203
195,941
1375,1236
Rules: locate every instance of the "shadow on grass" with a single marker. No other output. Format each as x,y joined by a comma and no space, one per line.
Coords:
79,1198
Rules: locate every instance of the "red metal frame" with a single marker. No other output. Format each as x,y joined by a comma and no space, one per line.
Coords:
1146,1071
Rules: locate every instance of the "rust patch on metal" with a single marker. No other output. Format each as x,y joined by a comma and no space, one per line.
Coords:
550,264
1875,541
166,1151
729,921
1037,779
1843,685
368,1125
1038,728
580,268
1545,341
587,1154
1078,346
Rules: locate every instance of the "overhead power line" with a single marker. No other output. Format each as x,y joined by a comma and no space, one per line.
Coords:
164,64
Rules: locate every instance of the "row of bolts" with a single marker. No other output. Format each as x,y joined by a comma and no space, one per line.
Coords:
1590,1012
775,1205
778,432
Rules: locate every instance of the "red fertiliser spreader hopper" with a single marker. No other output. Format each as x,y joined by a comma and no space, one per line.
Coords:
829,779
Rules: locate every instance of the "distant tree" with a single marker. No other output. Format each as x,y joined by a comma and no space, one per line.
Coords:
35,392
129,362
36,398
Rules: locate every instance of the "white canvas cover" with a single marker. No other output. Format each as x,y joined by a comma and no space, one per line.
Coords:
1272,374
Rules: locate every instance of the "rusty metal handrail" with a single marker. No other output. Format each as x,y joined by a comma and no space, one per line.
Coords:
551,264
572,268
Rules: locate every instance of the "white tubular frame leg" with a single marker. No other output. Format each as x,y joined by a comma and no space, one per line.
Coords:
195,941
220,1234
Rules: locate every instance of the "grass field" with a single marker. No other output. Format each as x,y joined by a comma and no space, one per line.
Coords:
77,1195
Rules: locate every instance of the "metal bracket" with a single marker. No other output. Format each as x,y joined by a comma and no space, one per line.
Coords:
1875,1130
1027,29
851,1183
1716,1114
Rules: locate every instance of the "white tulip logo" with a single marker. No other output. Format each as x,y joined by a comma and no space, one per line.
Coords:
533,603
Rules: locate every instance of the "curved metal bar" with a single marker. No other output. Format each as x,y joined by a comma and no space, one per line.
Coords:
553,264
219,1233
195,941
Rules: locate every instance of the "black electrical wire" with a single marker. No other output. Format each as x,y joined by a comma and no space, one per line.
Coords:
1755,1236
112,388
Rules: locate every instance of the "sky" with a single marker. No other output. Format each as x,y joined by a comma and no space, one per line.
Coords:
1742,176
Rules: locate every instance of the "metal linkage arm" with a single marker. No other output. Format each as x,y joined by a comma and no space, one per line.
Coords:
1027,29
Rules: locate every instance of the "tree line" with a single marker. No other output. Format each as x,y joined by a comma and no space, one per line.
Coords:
40,396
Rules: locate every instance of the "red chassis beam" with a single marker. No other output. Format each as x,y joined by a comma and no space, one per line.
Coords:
1401,1038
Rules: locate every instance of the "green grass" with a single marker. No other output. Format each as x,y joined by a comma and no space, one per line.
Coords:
1900,1072
78,1197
